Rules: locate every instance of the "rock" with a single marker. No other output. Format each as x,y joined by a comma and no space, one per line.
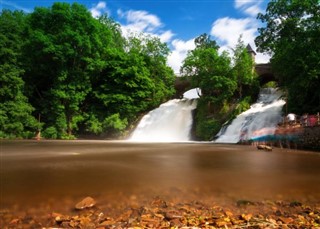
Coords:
241,203
264,147
87,202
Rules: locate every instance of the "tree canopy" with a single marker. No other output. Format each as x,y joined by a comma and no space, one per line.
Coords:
76,72
16,118
292,36
222,80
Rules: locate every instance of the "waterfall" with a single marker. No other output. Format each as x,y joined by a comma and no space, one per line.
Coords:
171,122
261,119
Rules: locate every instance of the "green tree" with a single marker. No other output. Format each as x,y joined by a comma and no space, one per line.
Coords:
64,49
292,37
155,54
16,118
209,71
243,68
133,80
212,73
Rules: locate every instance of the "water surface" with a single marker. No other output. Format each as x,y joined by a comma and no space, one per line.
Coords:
41,171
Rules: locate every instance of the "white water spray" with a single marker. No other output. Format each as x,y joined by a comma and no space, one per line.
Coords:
171,122
261,119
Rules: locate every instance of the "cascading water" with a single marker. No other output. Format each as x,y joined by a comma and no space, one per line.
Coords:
261,119
171,122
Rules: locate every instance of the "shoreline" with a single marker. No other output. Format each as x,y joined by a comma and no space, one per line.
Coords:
167,212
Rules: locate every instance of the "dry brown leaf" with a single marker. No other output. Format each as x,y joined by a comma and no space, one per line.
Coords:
286,220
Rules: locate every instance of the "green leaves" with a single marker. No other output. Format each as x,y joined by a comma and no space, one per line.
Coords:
292,35
222,82
78,72
16,118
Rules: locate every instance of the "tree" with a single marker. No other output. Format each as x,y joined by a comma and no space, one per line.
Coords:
292,37
134,80
243,67
16,118
64,48
155,55
210,71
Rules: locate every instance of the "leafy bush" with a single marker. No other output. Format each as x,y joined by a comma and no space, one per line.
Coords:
50,132
207,128
242,106
114,124
270,84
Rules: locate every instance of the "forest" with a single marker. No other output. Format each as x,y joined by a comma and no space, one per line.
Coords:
70,75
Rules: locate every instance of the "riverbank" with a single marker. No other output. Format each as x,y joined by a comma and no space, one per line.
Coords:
164,211
290,137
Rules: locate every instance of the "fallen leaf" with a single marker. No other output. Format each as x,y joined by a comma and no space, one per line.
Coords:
286,220
246,217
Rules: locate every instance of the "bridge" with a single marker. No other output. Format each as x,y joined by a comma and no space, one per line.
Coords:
264,72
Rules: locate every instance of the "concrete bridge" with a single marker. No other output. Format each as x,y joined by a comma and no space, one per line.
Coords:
264,71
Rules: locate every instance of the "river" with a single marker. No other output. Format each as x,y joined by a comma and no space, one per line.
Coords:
34,173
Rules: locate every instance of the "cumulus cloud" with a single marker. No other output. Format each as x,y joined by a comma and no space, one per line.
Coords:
139,21
249,7
228,30
99,9
166,36
179,52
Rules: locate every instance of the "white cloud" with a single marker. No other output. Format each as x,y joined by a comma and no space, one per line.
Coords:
253,10
242,3
140,21
99,9
179,52
260,57
228,30
249,7
166,36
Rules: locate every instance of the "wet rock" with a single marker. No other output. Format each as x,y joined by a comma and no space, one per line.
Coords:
244,203
87,202
172,215
295,204
264,147
158,202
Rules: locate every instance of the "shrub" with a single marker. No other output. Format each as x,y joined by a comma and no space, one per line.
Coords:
50,132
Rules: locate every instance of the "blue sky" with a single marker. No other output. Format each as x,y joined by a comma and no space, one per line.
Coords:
176,22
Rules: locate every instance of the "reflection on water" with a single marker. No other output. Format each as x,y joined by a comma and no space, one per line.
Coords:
40,170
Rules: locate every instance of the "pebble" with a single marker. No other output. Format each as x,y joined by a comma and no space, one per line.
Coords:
87,202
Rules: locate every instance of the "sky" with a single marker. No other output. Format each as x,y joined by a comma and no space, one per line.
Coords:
175,22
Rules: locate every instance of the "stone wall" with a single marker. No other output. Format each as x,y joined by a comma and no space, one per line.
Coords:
310,138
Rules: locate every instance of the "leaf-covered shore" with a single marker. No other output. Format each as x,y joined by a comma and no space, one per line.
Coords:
162,212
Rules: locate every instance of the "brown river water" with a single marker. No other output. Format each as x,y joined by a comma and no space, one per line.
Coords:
34,173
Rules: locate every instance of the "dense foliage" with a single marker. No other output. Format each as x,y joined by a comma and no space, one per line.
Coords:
16,118
222,81
292,36
77,73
